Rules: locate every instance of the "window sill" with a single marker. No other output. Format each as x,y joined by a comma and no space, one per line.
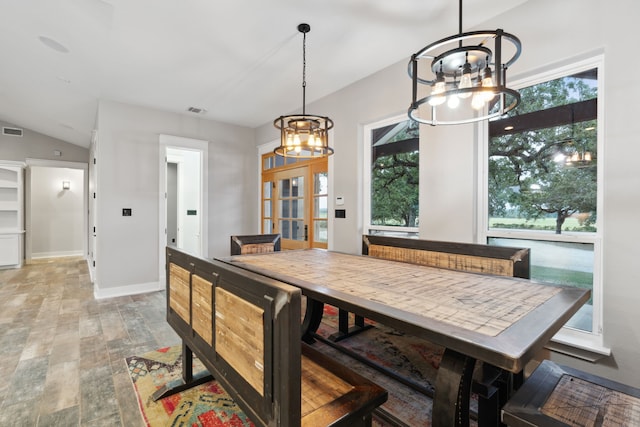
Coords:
578,344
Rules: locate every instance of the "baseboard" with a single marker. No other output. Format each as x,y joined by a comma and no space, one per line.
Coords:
61,254
120,291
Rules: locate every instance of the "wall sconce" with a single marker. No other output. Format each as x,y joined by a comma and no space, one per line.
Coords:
66,185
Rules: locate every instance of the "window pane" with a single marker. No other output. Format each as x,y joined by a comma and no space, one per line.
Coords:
266,190
285,228
285,188
560,263
320,232
279,161
266,226
267,163
543,161
297,187
394,174
297,208
284,209
320,183
320,208
297,230
267,208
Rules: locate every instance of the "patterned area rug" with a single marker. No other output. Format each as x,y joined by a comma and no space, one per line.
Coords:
208,405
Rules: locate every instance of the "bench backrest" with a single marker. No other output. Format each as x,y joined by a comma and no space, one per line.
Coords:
498,260
255,243
245,328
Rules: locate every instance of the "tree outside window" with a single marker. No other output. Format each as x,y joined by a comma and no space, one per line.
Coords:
394,175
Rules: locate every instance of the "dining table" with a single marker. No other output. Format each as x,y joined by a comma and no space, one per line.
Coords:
501,321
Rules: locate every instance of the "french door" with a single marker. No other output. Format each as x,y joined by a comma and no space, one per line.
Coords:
295,205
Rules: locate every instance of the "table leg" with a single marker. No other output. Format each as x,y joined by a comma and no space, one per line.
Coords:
344,331
453,390
188,379
312,319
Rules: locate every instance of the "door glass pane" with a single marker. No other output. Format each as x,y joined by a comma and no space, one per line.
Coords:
266,226
285,228
297,208
297,230
320,232
320,208
285,188
267,208
284,209
266,190
297,187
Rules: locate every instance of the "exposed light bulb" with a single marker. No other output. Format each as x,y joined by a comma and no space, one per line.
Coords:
477,102
311,141
296,140
289,140
465,80
297,149
453,101
439,87
487,82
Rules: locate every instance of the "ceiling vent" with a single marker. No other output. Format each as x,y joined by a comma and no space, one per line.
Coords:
11,131
196,110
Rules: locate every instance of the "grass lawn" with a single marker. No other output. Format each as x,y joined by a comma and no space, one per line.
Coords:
579,279
570,224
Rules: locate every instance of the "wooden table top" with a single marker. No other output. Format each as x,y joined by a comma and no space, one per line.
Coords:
501,320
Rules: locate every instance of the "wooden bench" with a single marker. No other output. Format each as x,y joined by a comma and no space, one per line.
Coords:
254,244
476,258
245,328
557,396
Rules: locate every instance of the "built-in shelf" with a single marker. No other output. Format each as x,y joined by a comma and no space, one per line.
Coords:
11,214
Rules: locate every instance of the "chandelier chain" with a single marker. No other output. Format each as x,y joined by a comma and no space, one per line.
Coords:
304,71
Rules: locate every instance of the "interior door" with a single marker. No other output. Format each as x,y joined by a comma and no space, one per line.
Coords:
292,202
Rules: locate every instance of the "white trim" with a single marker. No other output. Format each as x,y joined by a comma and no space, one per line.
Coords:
583,340
182,143
120,291
57,254
30,162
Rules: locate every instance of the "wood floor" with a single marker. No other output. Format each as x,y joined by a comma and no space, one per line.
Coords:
62,351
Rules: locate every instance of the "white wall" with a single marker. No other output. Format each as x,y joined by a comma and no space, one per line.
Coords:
57,215
128,177
552,33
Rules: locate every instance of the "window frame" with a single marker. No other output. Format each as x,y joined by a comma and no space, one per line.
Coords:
368,228
584,340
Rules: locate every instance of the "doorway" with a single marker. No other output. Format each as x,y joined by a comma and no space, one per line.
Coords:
56,209
183,196
295,202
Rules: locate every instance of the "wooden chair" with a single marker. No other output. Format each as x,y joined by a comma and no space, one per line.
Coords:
245,328
254,244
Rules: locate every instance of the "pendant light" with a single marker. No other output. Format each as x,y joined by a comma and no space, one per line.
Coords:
303,135
460,72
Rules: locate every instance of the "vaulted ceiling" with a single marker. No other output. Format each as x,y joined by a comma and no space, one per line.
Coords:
240,61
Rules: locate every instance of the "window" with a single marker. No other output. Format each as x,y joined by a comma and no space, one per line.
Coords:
391,177
543,186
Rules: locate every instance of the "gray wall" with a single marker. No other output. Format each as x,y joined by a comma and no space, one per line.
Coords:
552,33
128,176
38,146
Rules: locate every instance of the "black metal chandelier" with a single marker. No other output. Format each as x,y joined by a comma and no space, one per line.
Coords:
460,71
304,135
